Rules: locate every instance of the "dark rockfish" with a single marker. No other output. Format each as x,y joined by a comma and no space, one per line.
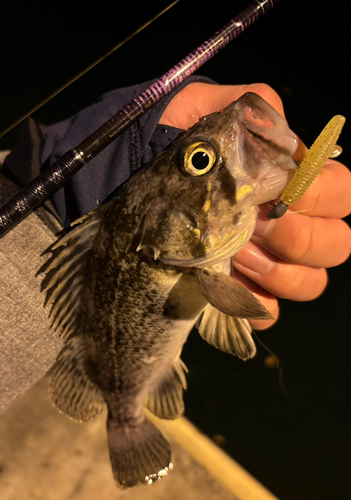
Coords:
133,277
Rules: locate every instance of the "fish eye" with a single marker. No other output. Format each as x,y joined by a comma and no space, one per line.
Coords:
199,158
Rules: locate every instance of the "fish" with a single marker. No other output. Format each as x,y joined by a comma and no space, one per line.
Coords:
127,284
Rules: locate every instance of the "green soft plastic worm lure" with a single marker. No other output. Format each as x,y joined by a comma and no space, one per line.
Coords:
323,148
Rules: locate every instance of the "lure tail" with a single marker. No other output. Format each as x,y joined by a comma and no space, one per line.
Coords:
324,147
139,453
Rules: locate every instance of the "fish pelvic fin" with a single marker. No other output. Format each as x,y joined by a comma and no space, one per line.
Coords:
229,296
166,399
70,387
139,453
65,274
227,333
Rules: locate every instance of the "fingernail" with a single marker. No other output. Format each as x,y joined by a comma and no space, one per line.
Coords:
254,259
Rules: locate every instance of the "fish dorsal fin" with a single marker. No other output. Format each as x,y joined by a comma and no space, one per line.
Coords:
227,333
71,389
166,399
229,296
66,273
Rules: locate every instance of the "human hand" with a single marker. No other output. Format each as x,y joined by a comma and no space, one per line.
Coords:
286,257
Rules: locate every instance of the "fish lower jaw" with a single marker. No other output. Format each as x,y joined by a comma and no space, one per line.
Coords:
224,252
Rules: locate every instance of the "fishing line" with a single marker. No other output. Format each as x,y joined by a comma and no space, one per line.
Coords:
63,169
281,382
91,66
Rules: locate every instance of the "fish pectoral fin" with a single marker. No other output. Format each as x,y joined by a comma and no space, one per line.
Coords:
139,453
227,333
229,296
65,277
166,399
71,389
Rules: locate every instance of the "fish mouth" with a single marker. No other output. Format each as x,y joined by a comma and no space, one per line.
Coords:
268,188
271,185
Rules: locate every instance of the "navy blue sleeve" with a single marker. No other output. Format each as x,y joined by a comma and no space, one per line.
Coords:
40,146
114,165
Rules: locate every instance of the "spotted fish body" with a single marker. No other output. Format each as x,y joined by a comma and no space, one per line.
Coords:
133,277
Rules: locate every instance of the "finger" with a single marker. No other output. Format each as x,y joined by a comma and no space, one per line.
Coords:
287,281
200,99
226,94
268,300
310,241
329,194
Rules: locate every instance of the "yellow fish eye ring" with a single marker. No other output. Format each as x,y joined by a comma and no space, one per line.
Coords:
199,158
324,147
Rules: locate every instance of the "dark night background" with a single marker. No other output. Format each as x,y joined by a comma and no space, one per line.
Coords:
291,427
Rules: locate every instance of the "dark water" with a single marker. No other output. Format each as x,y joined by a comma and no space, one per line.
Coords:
289,427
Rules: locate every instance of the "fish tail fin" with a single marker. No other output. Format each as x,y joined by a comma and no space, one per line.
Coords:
138,453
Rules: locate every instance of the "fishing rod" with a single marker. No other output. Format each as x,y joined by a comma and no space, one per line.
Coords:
63,169
86,69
